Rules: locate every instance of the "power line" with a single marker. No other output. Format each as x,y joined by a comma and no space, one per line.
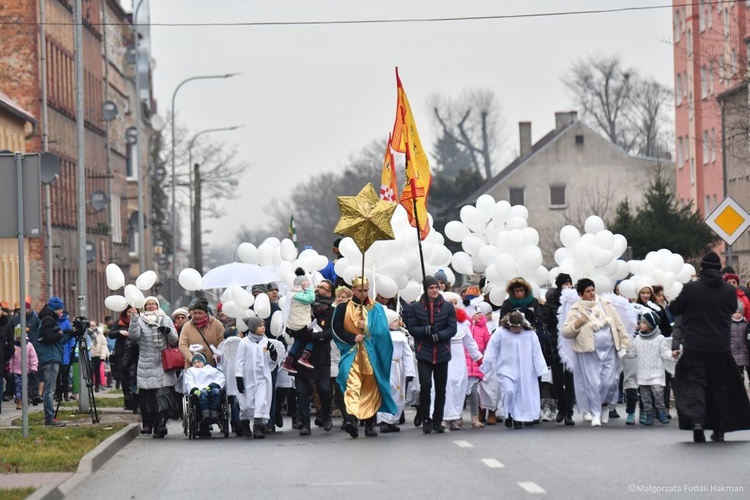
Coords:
386,21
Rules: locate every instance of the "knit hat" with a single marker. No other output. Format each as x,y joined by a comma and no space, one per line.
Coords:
472,292
260,288
429,281
651,319
198,357
272,286
731,276
711,261
300,277
150,298
391,315
56,303
180,310
563,278
484,308
200,304
441,276
453,296
252,324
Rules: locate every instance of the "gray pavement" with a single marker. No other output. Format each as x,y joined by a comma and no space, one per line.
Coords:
615,461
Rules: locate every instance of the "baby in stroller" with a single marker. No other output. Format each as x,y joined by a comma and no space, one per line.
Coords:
204,383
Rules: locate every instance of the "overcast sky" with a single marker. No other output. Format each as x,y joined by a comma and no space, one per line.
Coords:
311,96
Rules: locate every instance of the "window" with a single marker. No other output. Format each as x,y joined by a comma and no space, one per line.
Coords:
705,147
133,242
516,196
713,145
678,89
702,16
557,196
734,63
707,204
129,167
689,42
710,76
709,16
678,153
704,83
116,222
677,26
692,171
684,84
726,23
686,154
579,140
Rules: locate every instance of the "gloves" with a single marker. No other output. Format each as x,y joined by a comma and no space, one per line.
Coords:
240,384
479,361
163,330
435,338
195,392
68,332
428,330
214,385
409,379
580,321
272,352
621,353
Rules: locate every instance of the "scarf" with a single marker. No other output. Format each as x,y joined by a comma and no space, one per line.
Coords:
152,317
595,312
521,303
201,323
255,338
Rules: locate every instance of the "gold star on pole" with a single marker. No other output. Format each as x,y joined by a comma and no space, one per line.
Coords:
365,218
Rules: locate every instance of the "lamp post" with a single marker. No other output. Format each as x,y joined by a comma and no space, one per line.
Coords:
139,172
174,178
195,238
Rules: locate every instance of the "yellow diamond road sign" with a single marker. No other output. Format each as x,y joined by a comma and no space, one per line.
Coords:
729,220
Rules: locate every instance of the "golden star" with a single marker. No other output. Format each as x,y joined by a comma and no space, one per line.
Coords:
365,218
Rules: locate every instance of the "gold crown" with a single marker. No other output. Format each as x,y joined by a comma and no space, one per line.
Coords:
360,280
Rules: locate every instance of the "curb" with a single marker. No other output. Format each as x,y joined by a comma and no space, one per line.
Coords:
90,463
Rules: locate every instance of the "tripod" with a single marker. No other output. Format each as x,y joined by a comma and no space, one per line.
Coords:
86,373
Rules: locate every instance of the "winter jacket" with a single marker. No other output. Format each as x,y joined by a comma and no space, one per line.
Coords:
99,348
320,357
584,336
440,316
738,331
299,309
32,325
531,310
482,337
49,348
653,357
213,333
68,351
31,359
664,327
151,342
742,297
549,318
6,340
706,306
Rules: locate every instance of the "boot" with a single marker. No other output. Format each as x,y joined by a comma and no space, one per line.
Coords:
475,423
698,435
662,416
427,426
560,416
370,427
350,426
161,425
304,360
491,418
454,425
259,429
482,416
288,365
237,427
509,422
630,420
18,404
649,420
569,418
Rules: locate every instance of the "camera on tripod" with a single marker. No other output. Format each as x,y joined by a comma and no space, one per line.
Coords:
80,324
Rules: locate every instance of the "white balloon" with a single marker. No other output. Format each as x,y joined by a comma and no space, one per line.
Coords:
519,211
619,245
385,286
247,253
530,261
506,266
634,266
232,310
497,295
561,254
190,279
501,213
273,241
265,255
593,224
146,280
411,292
242,297
516,240
627,289
569,236
115,277
517,222
477,264
288,250
604,239
262,306
134,295
241,325
622,270
349,249
674,263
599,257
673,290
139,302
276,258
277,323
456,231
472,218
116,303
492,274
486,205
686,273
488,254
472,244
394,267
462,263
531,235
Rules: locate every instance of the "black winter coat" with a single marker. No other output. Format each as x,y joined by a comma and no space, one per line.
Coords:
320,358
549,318
32,326
7,344
440,316
706,306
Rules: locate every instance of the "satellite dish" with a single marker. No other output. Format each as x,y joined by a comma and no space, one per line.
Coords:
49,168
131,135
109,110
99,200
158,123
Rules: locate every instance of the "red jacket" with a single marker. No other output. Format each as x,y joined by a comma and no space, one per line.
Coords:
482,337
745,303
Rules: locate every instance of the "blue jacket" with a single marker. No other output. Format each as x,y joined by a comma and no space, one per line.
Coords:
32,326
49,348
440,316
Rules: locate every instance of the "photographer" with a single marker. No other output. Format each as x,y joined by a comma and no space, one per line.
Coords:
50,353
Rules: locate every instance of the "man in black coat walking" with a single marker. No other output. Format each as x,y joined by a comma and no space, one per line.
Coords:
708,387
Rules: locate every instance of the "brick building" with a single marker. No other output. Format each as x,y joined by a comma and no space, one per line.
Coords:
710,58
110,164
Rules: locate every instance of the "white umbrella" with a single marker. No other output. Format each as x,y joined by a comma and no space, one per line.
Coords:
237,274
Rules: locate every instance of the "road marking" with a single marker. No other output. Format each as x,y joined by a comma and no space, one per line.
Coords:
463,444
492,463
532,488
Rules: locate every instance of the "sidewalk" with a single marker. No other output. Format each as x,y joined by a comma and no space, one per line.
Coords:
49,481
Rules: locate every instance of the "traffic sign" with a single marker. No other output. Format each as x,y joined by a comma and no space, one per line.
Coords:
729,220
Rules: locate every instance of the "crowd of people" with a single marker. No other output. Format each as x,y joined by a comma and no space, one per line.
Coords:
525,361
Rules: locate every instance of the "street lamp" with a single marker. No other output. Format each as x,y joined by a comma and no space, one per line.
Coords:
196,239
174,179
139,173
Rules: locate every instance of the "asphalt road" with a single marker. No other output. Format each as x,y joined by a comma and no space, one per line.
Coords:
614,461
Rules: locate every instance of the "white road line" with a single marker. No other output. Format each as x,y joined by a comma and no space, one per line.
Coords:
492,463
463,444
532,488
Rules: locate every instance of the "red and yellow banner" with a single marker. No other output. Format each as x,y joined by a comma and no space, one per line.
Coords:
388,182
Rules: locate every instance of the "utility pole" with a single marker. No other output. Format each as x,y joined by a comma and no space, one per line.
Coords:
197,232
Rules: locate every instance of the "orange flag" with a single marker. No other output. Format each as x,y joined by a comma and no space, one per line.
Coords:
388,183
405,139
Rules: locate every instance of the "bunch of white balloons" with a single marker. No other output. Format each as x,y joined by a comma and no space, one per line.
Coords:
393,266
132,294
593,255
497,241
661,267
282,257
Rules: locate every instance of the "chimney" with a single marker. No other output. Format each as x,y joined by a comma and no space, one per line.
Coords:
565,118
524,137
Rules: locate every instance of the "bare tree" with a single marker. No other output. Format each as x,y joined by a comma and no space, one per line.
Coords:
598,200
472,130
650,116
